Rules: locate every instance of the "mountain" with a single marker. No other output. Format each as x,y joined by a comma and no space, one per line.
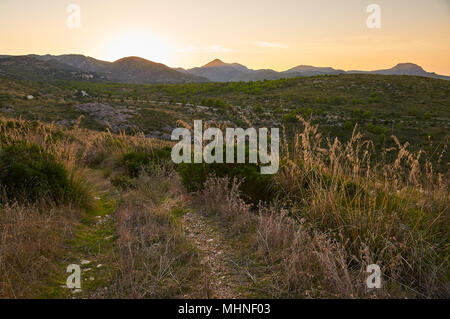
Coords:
219,71
30,68
307,70
78,61
76,67
404,69
217,63
138,70
80,67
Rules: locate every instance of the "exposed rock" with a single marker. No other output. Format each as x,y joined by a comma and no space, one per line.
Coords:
116,117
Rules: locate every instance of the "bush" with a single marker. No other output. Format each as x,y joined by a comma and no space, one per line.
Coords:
289,118
135,162
27,172
348,125
367,115
123,182
254,185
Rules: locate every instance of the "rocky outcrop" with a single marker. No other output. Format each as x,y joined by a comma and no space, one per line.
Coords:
116,117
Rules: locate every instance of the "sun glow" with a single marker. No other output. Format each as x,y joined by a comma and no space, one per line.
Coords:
144,45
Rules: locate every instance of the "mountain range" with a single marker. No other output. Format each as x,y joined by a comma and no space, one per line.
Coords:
73,67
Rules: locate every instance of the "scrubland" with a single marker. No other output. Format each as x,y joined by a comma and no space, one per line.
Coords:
309,231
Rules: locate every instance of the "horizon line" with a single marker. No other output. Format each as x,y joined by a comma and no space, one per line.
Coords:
180,67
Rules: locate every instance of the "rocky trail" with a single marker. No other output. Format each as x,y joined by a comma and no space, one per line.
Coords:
224,278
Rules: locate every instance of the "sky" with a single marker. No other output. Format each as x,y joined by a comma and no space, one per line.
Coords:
276,34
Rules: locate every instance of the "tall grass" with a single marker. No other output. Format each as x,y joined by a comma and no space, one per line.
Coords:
339,210
155,258
396,212
34,235
32,240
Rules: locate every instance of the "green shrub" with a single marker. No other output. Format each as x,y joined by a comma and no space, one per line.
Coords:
349,125
254,185
258,109
381,138
135,162
367,115
123,182
29,173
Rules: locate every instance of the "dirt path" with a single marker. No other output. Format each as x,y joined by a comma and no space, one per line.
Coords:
92,249
224,276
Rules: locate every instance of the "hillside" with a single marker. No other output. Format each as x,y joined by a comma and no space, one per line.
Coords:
414,109
405,69
77,67
30,68
138,70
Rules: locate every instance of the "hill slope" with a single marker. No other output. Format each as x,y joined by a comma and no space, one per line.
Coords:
78,67
405,69
30,68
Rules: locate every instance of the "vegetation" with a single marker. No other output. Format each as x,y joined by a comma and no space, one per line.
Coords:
28,173
254,186
414,109
348,193
135,162
335,215
50,226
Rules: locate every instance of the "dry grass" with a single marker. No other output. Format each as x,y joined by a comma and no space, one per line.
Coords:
32,240
221,197
304,263
338,211
396,212
74,147
155,258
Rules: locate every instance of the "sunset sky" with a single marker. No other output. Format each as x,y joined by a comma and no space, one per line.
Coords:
277,34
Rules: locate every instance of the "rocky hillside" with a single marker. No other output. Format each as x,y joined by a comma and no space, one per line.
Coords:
77,67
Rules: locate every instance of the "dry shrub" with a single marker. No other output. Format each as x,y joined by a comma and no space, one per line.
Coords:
304,263
32,240
221,196
300,262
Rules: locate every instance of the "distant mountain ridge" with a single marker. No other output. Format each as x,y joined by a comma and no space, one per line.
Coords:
219,71
313,70
72,67
79,67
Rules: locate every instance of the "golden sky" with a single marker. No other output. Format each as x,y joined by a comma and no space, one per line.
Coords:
277,34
